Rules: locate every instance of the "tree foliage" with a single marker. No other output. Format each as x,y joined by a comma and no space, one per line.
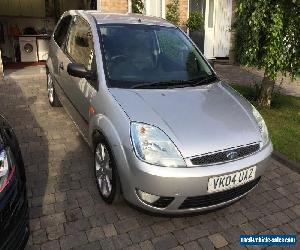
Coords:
268,36
195,21
172,13
137,6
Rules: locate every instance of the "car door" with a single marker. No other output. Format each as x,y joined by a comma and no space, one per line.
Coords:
56,53
79,48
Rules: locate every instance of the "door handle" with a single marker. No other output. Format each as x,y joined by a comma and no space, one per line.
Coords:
61,66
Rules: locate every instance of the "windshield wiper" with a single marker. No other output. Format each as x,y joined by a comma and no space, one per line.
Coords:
176,83
205,80
161,84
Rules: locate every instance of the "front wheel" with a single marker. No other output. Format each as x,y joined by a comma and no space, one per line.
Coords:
106,173
52,97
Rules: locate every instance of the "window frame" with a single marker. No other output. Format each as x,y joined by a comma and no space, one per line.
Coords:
147,4
67,31
104,61
68,36
211,14
93,83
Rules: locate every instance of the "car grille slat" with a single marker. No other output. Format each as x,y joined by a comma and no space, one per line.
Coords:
217,198
163,202
222,156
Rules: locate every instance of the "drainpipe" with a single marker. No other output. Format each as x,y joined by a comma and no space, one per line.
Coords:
232,33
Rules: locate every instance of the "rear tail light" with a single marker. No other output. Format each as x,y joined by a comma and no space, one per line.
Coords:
7,168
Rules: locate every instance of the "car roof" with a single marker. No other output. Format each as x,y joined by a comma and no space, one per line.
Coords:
128,18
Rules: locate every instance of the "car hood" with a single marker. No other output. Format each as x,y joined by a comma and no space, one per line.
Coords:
198,120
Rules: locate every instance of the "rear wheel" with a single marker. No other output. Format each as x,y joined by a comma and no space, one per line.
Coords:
106,173
52,97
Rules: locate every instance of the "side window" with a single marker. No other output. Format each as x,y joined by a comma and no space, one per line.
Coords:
80,45
61,31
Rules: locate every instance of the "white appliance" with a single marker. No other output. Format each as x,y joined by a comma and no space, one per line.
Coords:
43,47
28,48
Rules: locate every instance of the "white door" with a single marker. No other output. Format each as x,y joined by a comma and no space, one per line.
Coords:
222,24
155,8
209,29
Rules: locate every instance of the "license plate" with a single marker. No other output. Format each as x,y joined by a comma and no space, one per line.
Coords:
228,181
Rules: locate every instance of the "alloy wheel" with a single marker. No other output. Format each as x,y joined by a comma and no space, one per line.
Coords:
103,170
50,88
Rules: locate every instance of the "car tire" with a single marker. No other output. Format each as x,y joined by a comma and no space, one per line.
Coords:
106,173
52,96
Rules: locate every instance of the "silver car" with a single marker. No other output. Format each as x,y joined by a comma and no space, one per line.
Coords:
166,133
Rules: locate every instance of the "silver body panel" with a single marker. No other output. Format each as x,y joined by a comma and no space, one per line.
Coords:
198,120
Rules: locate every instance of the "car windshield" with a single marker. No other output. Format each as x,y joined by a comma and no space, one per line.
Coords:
148,55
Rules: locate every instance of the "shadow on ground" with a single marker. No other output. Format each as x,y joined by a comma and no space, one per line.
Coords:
22,106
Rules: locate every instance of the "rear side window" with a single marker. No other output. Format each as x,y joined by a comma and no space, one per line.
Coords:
61,31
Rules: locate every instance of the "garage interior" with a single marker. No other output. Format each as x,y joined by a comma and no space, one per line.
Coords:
26,26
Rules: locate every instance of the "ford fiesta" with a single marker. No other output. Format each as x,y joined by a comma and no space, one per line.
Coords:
166,133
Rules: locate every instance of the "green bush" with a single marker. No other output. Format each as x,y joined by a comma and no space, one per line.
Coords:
268,37
195,21
137,6
172,13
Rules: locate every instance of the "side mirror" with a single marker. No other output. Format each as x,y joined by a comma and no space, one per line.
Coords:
79,70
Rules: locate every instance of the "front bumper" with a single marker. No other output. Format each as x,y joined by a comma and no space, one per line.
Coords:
186,185
14,217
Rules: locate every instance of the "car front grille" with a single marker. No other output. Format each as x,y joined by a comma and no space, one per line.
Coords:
163,202
224,156
218,198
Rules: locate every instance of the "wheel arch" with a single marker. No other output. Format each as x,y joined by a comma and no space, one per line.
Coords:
100,125
49,65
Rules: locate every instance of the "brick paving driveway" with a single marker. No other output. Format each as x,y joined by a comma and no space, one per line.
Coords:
67,212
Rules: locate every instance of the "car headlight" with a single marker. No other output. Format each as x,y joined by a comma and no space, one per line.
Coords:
261,125
7,168
153,146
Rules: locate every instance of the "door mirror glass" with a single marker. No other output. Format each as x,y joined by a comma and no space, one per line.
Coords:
79,70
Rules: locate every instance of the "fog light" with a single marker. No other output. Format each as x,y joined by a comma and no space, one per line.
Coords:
148,198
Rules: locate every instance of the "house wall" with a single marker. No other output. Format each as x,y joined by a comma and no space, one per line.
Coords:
183,10
120,6
31,8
